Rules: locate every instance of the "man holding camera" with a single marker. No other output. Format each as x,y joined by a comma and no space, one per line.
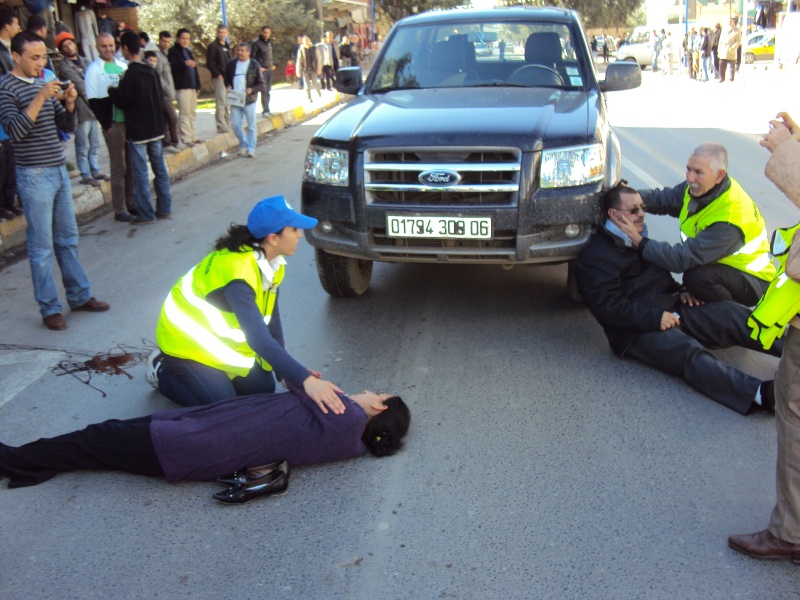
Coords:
31,116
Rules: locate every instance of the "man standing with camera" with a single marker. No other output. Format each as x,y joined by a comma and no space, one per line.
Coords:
31,117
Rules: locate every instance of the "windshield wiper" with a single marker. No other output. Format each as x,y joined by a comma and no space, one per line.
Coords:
394,89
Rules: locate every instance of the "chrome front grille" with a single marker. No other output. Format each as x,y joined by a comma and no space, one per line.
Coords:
489,176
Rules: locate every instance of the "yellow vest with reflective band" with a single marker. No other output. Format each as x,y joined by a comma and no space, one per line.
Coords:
190,327
781,302
734,206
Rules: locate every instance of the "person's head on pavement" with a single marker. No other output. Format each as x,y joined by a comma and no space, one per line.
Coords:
106,47
184,38
29,54
9,24
243,51
65,44
164,41
706,167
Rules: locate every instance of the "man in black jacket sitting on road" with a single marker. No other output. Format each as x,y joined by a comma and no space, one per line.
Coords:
139,95
646,316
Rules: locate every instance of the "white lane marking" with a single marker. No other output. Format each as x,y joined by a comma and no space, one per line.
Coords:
13,358
22,378
641,174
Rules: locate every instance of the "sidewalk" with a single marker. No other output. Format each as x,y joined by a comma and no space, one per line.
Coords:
289,106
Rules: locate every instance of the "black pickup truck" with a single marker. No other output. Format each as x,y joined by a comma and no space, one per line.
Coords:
479,136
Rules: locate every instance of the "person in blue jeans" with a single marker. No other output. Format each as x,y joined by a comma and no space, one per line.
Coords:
31,117
139,96
245,77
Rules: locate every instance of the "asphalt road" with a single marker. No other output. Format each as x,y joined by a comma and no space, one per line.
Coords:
538,465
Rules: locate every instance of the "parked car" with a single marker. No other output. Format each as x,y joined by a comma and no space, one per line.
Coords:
760,45
444,158
638,48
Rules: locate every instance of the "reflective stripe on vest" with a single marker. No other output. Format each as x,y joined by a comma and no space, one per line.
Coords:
780,304
192,328
734,206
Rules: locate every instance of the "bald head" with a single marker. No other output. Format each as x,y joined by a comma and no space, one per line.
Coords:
106,46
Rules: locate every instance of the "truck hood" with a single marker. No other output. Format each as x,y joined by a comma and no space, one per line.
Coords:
517,117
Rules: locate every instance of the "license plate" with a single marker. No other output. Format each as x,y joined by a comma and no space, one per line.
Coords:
406,226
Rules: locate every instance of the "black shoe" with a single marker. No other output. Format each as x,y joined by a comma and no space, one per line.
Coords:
271,484
134,211
242,477
125,217
7,214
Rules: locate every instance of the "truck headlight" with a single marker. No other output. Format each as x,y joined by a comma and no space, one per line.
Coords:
326,165
566,167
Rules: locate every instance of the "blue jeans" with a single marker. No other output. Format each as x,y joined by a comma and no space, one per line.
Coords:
706,62
190,383
238,114
46,197
655,61
87,134
141,181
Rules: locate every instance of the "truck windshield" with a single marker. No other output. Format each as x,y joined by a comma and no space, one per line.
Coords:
472,54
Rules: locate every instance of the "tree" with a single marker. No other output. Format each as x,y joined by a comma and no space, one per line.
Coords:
286,18
595,13
397,9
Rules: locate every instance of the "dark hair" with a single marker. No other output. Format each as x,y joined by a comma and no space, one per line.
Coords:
35,23
384,432
181,31
7,17
221,26
612,197
164,34
150,54
145,38
244,44
238,239
131,41
263,27
23,38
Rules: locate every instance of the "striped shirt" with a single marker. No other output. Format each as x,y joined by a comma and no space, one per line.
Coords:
36,143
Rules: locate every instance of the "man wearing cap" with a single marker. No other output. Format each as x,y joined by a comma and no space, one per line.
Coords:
219,334
87,133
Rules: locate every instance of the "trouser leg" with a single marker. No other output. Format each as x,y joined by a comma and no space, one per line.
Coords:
715,282
258,381
115,142
8,175
785,520
221,115
115,445
170,122
678,354
722,325
190,383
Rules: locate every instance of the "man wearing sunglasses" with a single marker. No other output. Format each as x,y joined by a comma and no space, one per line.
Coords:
646,316
725,250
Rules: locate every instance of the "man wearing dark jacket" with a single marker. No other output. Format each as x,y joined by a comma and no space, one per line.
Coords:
187,86
646,316
244,76
261,52
725,250
139,95
218,56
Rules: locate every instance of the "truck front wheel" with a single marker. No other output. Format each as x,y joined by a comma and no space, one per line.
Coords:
342,276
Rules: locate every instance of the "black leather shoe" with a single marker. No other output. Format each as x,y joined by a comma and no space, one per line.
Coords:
271,484
242,477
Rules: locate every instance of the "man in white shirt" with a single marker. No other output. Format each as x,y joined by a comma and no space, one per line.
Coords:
245,77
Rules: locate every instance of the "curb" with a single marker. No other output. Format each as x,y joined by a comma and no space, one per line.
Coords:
91,203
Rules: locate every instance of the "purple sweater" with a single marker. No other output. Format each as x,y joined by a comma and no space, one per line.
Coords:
202,442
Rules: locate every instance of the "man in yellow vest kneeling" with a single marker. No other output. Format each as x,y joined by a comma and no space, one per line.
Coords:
725,250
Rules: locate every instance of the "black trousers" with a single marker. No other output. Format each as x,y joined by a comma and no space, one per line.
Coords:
681,351
723,67
716,282
111,445
328,77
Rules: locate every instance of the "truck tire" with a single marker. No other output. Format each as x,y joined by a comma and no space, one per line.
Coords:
342,276
572,284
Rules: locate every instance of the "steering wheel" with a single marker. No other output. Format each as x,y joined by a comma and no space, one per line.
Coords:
535,75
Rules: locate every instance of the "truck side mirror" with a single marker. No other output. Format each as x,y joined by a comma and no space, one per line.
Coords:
621,75
348,80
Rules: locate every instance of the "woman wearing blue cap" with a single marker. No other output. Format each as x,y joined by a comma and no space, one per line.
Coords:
219,334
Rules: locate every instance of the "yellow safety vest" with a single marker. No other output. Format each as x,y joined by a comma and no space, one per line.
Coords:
781,302
734,206
190,327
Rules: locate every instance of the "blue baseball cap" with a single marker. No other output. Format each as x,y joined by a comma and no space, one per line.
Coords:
272,214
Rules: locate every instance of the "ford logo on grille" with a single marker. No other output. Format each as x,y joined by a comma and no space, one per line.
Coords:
439,178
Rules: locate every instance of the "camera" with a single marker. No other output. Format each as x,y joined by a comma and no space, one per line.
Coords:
65,85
